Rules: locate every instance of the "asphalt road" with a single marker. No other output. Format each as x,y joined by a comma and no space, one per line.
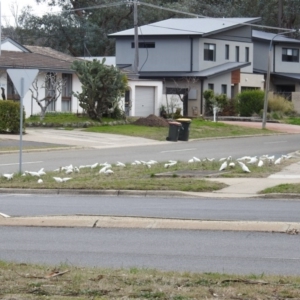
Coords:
186,208
197,251
236,147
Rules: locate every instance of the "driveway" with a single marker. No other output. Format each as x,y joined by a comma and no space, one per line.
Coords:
280,127
74,137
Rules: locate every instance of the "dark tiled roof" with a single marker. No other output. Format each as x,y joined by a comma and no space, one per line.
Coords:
14,59
47,51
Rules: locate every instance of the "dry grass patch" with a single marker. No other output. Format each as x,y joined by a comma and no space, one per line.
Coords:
24,281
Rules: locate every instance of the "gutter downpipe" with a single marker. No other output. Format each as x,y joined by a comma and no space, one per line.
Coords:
201,97
268,77
192,54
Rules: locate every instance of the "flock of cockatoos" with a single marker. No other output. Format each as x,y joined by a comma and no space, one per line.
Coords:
106,168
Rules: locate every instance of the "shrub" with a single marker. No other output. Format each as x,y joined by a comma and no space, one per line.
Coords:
211,100
10,116
230,109
280,104
250,102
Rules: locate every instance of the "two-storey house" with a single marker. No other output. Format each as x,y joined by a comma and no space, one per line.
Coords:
190,56
284,66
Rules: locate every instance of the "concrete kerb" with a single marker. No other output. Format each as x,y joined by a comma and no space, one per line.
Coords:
149,223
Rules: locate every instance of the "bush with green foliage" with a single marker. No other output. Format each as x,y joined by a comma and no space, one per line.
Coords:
10,117
102,87
250,102
211,100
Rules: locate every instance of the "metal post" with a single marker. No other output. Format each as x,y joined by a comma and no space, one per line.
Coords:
268,78
21,123
136,38
0,27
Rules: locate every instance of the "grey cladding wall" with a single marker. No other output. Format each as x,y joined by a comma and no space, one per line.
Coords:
169,54
242,34
260,55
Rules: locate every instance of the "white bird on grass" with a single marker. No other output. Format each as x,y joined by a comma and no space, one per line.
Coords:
244,167
40,181
223,166
8,176
210,159
58,179
69,171
232,165
260,163
103,169
253,160
190,160
109,171
33,173
278,161
196,159
94,166
120,164
42,172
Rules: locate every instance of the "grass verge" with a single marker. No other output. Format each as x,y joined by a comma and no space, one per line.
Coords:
198,129
25,281
181,177
283,189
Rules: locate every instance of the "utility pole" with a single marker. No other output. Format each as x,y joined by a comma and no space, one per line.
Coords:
136,38
0,27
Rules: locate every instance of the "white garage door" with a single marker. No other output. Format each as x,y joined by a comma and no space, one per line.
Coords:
144,101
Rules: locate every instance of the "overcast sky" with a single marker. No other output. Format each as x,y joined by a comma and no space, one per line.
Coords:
6,15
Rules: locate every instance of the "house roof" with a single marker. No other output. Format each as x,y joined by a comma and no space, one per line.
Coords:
188,26
208,73
16,59
47,51
291,76
267,36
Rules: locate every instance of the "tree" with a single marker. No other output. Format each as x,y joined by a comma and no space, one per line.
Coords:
102,87
53,89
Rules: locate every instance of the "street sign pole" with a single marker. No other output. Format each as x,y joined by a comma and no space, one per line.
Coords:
22,80
21,124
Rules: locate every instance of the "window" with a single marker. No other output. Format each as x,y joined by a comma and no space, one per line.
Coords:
211,86
144,45
247,54
66,97
210,52
237,53
224,89
289,54
226,51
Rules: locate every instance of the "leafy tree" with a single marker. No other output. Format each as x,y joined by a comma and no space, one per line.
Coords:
102,87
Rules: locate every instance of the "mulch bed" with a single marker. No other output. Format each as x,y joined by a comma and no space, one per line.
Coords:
153,121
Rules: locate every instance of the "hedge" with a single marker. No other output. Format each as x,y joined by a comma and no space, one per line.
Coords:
10,117
250,102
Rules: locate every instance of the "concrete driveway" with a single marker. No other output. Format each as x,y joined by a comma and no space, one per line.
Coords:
76,138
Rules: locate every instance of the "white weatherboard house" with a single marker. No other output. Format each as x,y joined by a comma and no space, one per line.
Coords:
189,56
46,60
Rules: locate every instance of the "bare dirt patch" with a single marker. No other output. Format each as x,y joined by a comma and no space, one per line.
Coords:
152,121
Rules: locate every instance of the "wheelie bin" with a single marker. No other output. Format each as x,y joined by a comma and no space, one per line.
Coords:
184,131
174,128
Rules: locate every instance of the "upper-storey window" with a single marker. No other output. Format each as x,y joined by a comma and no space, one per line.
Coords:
237,53
289,54
226,51
144,45
247,54
210,52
